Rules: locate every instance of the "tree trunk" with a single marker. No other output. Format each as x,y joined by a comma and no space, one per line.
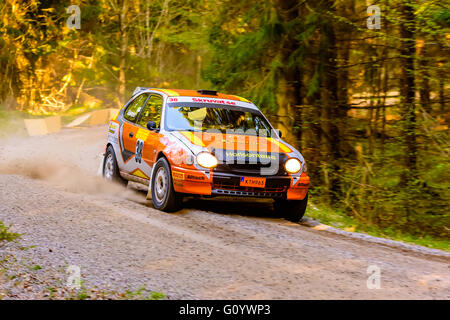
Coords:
424,90
407,90
288,96
442,75
332,116
123,51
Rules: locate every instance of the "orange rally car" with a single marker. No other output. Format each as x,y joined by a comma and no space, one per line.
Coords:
186,142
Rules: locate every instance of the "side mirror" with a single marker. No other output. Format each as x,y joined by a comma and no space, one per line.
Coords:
151,125
278,131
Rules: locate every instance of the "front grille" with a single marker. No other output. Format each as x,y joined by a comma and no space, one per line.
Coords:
230,186
258,194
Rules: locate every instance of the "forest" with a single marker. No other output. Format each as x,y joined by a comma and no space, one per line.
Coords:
360,88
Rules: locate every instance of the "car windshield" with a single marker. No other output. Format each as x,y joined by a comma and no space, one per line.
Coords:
203,116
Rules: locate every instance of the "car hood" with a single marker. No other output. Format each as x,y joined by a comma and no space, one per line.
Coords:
239,143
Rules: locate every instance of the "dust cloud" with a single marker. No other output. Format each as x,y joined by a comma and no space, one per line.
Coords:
61,160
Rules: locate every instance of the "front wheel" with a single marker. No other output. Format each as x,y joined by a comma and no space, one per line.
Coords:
292,210
164,196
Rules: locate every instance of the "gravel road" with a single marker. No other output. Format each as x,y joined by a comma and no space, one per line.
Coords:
211,249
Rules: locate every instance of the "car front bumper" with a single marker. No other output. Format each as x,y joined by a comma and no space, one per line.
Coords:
212,183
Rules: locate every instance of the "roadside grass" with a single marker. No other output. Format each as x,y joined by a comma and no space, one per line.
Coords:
143,294
84,293
340,220
11,123
6,235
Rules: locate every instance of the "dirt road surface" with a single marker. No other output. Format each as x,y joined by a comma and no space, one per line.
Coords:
211,249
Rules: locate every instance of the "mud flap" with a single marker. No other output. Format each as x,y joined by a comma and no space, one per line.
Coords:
149,193
101,158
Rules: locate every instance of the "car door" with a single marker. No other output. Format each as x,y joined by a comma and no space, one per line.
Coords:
130,131
150,139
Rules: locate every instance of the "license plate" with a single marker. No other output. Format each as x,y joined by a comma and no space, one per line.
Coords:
253,182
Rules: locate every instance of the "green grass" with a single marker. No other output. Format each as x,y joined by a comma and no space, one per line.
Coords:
340,220
6,235
143,294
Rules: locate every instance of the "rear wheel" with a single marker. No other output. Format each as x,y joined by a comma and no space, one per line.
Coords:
110,168
292,210
164,196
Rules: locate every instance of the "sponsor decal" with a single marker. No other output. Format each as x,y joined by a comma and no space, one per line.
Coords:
192,177
178,183
216,101
113,127
249,155
140,174
178,175
139,150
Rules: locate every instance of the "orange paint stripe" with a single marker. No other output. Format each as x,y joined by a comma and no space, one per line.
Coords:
193,138
240,99
170,93
281,145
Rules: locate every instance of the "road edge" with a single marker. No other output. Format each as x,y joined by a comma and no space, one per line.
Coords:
316,225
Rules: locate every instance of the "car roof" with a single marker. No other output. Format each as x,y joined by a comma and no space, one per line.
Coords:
193,93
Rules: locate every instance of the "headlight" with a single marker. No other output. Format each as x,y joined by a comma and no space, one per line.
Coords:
206,160
293,165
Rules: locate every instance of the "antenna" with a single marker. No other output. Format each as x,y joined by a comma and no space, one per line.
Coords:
208,92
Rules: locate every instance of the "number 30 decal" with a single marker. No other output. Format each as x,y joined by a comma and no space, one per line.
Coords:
139,149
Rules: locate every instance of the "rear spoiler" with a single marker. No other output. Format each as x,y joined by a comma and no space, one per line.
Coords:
139,89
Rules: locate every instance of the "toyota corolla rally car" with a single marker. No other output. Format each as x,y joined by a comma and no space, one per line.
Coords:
203,143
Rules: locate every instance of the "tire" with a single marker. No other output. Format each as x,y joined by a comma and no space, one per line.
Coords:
111,169
292,210
164,196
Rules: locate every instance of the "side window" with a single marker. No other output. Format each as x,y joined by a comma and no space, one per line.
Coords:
151,111
135,107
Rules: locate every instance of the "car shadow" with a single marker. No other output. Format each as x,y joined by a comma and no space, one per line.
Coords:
257,208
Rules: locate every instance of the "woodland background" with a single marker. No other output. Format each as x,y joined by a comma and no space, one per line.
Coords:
368,108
